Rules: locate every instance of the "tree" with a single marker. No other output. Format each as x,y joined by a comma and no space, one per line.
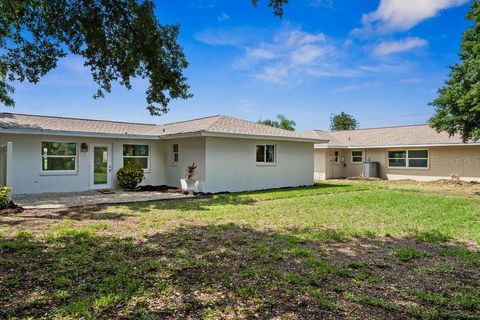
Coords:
282,123
343,121
458,104
118,39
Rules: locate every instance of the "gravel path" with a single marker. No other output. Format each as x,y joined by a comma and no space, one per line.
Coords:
91,197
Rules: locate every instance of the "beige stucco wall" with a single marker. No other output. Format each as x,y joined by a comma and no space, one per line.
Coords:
231,165
462,161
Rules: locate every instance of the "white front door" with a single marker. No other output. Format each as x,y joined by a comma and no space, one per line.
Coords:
100,166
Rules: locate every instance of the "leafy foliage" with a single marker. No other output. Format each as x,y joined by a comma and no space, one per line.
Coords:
343,121
4,197
191,171
118,39
277,6
130,176
282,123
458,103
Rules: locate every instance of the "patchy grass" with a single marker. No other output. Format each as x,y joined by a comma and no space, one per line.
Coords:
332,251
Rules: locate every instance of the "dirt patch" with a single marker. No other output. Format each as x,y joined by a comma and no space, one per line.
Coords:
235,272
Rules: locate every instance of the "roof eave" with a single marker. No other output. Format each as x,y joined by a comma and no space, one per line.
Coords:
79,134
260,137
327,146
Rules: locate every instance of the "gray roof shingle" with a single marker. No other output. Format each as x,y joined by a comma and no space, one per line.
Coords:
218,124
388,136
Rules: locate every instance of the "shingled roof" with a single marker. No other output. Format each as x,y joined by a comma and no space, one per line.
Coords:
413,135
218,125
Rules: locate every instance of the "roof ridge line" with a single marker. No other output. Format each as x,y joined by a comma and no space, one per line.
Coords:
373,128
219,116
195,119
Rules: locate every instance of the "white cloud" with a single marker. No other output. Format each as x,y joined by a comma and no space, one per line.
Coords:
386,48
292,56
223,17
402,15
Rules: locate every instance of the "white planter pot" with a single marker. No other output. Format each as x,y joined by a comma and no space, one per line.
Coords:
189,185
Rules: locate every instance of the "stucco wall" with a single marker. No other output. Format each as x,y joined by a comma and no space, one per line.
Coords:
190,150
28,178
462,161
231,165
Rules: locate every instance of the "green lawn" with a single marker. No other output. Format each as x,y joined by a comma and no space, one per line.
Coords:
341,250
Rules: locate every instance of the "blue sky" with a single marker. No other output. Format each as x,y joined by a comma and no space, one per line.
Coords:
379,60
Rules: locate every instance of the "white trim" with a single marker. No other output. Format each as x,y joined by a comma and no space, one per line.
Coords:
159,136
239,136
148,169
79,134
265,163
108,185
58,172
407,158
324,146
356,162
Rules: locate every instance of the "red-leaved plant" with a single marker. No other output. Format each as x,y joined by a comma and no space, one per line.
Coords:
191,171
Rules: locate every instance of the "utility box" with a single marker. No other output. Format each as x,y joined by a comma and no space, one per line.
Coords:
371,169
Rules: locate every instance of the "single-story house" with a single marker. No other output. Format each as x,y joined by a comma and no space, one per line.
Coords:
56,154
415,152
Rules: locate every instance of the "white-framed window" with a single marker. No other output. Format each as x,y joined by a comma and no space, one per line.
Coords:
175,153
415,159
266,153
357,156
58,156
137,154
336,156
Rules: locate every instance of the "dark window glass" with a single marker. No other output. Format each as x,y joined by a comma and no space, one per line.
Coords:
399,163
418,154
397,154
270,156
260,153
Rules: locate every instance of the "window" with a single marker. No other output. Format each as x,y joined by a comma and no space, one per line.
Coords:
59,156
175,158
336,157
408,159
136,154
357,156
265,153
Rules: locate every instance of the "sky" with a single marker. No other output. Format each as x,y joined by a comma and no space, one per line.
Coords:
380,60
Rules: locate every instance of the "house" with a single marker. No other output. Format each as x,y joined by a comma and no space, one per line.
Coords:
406,152
56,154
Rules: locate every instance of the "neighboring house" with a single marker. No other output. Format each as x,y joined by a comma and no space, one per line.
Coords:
55,154
407,152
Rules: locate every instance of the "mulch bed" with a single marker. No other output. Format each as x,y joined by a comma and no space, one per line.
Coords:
12,208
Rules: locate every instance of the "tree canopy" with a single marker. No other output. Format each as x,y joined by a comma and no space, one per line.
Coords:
119,40
458,104
343,121
282,123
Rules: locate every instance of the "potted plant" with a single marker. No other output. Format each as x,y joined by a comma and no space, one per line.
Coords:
190,184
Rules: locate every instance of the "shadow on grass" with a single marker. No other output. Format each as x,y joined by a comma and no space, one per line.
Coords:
26,217
242,198
231,271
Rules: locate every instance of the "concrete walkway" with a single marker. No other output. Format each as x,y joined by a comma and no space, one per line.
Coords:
92,197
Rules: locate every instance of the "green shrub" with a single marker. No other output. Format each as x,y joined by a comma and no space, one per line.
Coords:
4,197
130,176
